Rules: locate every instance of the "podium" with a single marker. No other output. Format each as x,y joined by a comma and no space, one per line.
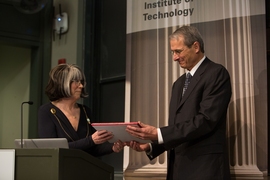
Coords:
59,164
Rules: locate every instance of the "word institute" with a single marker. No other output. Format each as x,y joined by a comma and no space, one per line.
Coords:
163,3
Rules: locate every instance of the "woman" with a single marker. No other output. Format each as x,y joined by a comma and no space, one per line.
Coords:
63,117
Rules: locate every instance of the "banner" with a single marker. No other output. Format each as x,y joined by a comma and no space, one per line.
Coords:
234,34
154,14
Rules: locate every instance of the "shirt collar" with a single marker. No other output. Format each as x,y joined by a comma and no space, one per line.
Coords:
194,69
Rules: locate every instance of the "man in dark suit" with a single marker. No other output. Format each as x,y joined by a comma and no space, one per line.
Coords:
195,137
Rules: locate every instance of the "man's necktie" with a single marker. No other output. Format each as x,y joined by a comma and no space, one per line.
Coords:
187,81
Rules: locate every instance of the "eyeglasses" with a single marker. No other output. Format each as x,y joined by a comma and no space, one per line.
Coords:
177,51
78,82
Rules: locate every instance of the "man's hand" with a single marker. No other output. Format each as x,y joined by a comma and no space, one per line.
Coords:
143,132
138,146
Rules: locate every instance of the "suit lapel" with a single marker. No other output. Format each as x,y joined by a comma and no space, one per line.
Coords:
194,81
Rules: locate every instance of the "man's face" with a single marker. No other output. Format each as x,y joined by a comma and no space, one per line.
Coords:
186,57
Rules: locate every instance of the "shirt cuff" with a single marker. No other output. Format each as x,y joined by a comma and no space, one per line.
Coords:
149,153
150,150
160,138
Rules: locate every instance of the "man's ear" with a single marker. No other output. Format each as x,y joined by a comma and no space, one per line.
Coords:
196,46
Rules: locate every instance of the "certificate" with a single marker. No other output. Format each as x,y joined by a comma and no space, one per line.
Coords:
119,131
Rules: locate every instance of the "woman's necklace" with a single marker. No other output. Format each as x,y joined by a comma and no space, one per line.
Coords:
71,113
64,107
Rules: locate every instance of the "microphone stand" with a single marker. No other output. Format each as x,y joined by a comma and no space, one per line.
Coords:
30,103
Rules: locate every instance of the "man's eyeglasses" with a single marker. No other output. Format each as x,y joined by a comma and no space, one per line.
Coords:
177,52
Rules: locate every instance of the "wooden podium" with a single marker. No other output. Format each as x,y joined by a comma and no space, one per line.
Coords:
59,164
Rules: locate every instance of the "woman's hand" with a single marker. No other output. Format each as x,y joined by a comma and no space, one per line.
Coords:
101,136
118,146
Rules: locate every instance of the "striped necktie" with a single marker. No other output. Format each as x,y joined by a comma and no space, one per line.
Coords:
187,81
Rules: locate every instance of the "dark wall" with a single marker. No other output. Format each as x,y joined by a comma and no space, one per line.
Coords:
105,64
34,31
105,57
19,27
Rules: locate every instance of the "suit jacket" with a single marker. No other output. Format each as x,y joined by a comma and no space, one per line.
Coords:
195,137
58,126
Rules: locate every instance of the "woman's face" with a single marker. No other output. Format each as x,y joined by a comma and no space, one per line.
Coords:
76,89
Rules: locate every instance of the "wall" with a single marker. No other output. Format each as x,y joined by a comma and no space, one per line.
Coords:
15,73
69,45
34,32
14,89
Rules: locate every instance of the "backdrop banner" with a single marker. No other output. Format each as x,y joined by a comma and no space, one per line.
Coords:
154,14
234,34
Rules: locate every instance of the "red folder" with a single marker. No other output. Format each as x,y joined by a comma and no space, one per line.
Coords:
119,131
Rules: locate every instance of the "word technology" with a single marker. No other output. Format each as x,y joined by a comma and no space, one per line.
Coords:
160,15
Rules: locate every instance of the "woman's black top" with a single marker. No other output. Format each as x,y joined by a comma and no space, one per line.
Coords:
52,123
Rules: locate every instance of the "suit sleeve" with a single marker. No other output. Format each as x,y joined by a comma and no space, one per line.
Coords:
157,149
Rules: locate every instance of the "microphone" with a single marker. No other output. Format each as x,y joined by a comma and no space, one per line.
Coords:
26,102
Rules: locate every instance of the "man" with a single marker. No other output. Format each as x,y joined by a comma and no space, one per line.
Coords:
195,137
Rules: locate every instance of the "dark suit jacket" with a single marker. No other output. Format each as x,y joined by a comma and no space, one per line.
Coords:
196,135
58,126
